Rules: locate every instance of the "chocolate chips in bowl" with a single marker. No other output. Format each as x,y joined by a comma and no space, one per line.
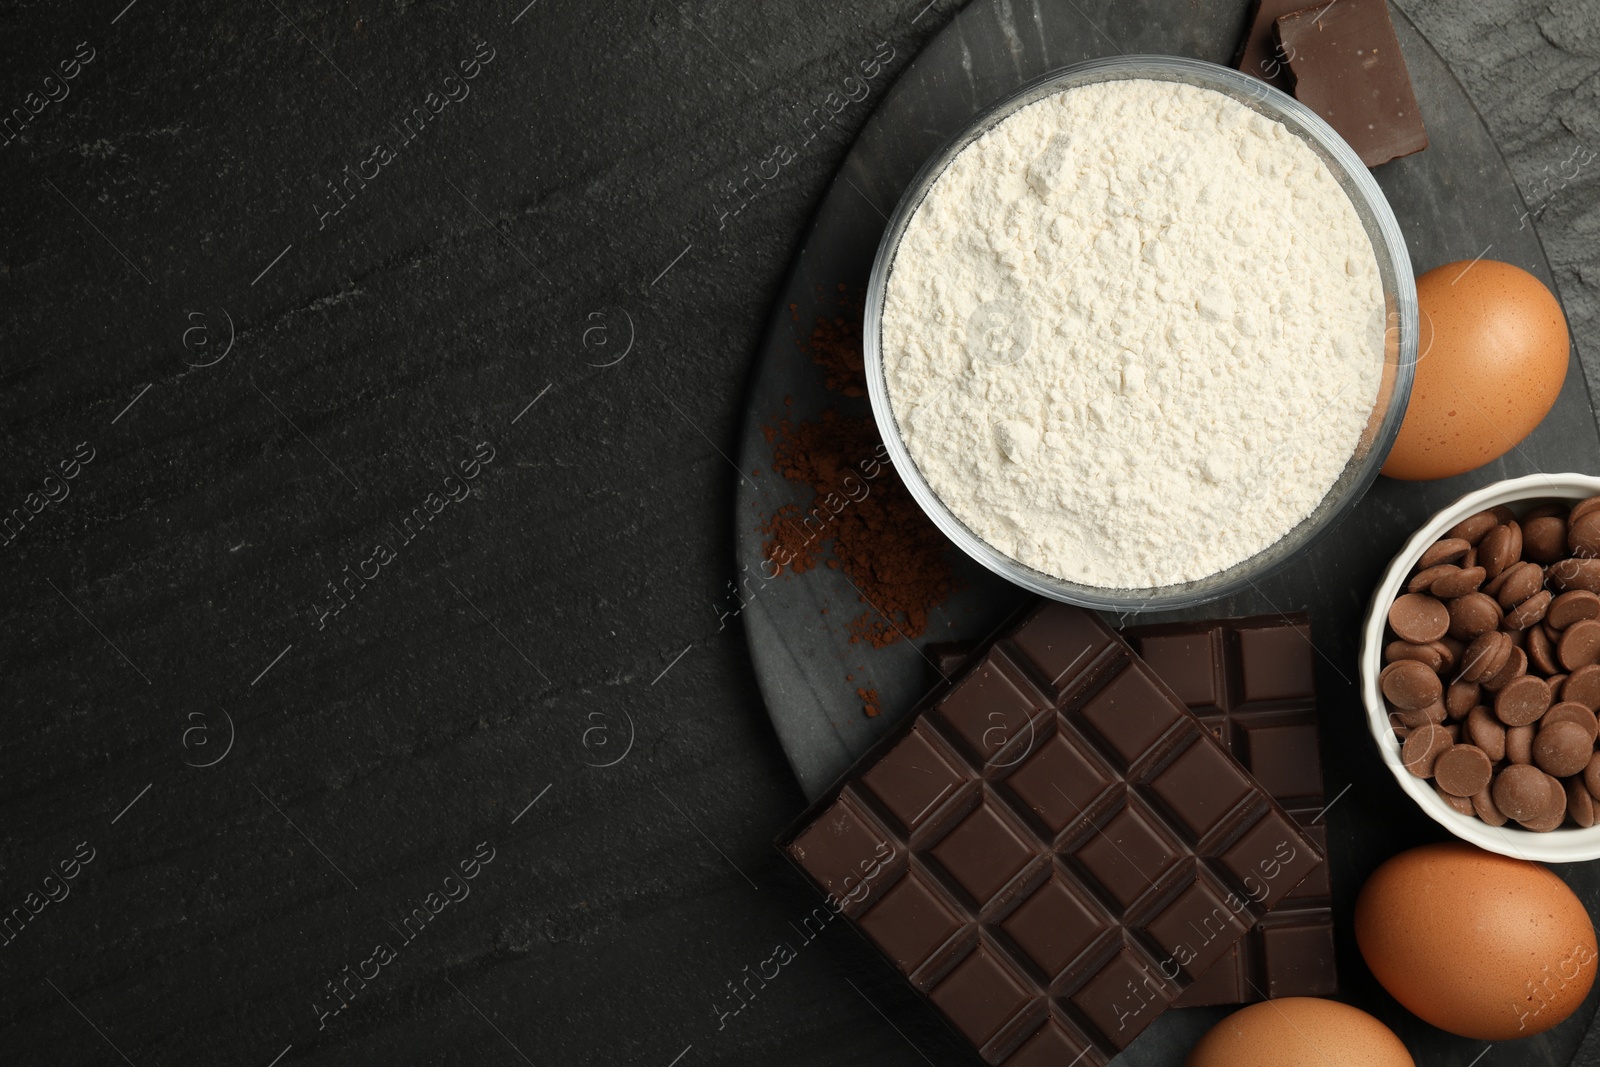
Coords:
1481,667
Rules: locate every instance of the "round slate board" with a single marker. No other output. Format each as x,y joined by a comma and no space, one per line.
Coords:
1455,201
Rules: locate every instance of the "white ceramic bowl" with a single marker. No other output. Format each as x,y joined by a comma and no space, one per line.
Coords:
1564,845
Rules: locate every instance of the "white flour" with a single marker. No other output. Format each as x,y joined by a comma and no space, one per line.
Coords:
1133,334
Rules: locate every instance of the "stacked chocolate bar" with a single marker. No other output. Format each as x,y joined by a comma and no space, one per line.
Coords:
1071,836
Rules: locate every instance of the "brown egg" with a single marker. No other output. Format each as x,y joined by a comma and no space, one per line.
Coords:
1491,357
1477,944
1299,1032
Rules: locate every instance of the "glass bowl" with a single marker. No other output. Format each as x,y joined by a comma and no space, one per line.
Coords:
1400,335
1565,844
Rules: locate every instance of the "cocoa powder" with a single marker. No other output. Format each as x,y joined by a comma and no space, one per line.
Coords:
835,345
861,519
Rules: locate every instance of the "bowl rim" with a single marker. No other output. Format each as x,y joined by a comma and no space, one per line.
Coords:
1562,845
1389,249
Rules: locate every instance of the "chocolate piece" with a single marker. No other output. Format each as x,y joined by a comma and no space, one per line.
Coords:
1461,698
1579,645
1575,713
1580,803
1544,539
1583,535
1501,547
1572,607
1422,748
1562,748
1522,580
1419,618
1251,683
1522,701
1483,804
1555,811
1577,574
1345,64
1460,582
1429,655
1469,617
1516,666
1258,53
1486,732
1521,792
1529,612
1463,771
1583,687
1485,656
1519,744
1444,550
1053,848
1410,685
1422,581
1472,528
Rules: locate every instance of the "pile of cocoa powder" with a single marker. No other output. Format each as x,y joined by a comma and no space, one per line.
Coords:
860,519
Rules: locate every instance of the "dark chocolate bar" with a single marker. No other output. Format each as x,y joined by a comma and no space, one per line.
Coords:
1251,681
1345,64
1052,848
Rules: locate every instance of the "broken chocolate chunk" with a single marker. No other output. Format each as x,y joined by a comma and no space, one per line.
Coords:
1345,64
1258,54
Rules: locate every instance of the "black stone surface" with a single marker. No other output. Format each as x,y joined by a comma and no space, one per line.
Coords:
268,393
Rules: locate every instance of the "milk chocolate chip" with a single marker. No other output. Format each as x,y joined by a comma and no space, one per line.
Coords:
1541,651
1580,803
1483,804
1554,813
1460,698
1423,747
1459,805
1410,685
1573,606
1580,644
1583,535
1544,539
1516,666
1577,574
1466,618
1462,770
1519,582
1570,712
1472,528
1528,612
1519,744
1433,713
1522,701
1430,655
1423,580
1486,656
1459,582
1583,687
1419,618
1448,550
1562,748
1500,548
1487,732
1522,792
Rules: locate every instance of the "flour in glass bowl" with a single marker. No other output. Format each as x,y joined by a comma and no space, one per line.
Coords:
1133,334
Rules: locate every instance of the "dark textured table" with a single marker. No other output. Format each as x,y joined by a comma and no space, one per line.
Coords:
368,694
